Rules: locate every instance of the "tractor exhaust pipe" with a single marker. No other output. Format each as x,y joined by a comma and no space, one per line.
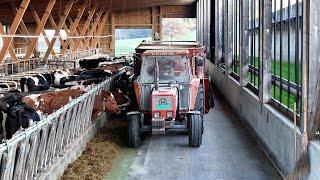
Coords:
156,74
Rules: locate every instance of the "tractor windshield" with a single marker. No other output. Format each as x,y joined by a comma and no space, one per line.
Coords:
171,68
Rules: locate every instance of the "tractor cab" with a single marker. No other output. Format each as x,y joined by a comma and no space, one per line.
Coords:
170,96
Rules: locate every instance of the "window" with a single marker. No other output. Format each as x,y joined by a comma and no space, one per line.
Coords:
179,29
128,39
1,40
42,45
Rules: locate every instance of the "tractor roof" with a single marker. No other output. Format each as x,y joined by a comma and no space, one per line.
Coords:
164,52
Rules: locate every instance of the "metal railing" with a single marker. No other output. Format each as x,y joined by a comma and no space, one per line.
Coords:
31,152
69,60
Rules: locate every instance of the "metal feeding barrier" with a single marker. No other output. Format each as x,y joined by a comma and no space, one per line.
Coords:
31,152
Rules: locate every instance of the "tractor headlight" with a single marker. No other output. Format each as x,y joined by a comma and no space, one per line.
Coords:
156,114
169,114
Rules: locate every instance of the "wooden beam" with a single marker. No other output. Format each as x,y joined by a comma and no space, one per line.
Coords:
13,29
76,33
74,25
57,31
11,50
113,29
100,29
23,27
37,19
55,27
40,28
93,29
85,26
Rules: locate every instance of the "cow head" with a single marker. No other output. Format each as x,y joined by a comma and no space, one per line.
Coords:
109,102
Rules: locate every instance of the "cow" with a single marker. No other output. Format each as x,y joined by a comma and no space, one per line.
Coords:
19,116
15,114
47,103
63,79
105,102
59,74
39,82
122,99
92,63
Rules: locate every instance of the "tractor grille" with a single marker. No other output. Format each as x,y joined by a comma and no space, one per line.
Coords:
162,102
146,91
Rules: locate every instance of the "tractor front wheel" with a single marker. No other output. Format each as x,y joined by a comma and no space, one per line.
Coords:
134,130
195,130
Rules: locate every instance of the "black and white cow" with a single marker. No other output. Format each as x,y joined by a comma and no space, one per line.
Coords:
38,82
15,114
93,63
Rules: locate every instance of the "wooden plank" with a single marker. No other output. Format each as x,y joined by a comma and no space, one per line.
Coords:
13,29
74,26
265,71
37,19
244,42
40,28
11,50
57,31
85,27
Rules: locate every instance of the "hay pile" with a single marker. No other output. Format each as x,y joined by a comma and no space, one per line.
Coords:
96,161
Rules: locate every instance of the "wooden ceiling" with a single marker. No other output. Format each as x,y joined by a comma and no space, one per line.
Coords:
7,14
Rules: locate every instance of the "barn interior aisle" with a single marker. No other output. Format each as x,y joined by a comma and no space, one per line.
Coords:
228,152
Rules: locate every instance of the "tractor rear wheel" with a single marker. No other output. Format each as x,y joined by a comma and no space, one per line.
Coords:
195,130
134,130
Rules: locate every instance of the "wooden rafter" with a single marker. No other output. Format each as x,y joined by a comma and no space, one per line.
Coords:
13,29
55,27
57,31
93,30
11,50
37,19
74,25
76,32
23,28
40,28
100,29
85,26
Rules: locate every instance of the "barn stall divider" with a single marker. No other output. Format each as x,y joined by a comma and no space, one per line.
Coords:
30,154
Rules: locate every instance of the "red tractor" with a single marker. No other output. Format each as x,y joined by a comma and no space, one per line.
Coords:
170,91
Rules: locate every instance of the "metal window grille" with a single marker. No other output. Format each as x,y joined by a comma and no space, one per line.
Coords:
286,65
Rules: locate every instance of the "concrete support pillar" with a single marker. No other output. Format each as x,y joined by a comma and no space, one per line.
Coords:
265,71
244,42
311,67
228,28
218,31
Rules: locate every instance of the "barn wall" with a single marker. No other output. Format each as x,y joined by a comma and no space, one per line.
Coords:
141,18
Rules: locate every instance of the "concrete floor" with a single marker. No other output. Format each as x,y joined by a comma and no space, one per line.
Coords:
228,151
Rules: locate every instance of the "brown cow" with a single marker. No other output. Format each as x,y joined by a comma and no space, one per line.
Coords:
104,102
51,101
121,98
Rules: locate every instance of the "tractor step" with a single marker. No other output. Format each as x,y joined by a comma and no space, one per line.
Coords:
158,126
